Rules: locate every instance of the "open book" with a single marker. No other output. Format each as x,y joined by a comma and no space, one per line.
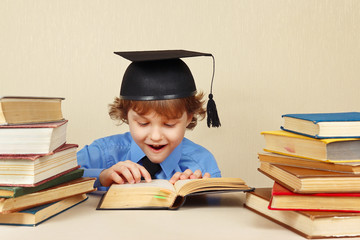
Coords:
161,194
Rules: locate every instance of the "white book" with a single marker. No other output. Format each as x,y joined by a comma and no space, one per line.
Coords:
32,138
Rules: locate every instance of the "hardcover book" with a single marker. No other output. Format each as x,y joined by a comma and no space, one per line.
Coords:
296,145
302,180
31,169
161,194
37,215
324,125
351,167
11,192
32,138
284,199
56,193
24,110
309,224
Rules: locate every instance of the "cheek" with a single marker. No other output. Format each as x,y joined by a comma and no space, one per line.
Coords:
176,135
136,132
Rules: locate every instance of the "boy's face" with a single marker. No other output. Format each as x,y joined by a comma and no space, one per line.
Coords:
156,135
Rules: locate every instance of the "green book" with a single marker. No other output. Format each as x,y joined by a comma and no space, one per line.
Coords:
12,192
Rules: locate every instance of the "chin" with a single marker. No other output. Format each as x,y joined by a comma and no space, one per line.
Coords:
155,158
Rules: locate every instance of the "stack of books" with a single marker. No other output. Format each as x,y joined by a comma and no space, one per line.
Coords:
39,174
314,161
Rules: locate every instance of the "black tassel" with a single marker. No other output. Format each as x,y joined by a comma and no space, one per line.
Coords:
212,114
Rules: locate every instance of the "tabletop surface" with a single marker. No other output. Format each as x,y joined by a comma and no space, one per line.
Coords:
214,216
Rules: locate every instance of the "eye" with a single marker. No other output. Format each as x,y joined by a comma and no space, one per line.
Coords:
143,124
170,124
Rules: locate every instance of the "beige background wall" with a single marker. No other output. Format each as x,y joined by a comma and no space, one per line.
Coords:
272,57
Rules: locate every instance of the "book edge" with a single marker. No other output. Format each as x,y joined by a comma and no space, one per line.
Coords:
44,220
98,207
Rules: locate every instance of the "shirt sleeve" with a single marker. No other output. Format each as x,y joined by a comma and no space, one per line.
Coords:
102,154
92,159
209,165
197,157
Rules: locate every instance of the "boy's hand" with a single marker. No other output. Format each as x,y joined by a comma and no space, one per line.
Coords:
188,174
122,172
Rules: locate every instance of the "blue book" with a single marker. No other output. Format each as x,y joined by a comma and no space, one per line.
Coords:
35,216
324,125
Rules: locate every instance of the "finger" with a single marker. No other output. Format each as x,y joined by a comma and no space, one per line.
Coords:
186,174
175,177
135,170
145,173
114,176
196,175
207,175
125,173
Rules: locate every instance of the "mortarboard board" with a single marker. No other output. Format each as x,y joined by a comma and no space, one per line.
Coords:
162,75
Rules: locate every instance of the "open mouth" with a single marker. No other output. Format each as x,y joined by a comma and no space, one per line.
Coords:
157,147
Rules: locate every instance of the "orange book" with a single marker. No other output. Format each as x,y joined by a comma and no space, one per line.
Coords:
329,150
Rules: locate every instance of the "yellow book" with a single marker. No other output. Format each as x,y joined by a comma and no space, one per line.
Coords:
161,194
296,145
25,110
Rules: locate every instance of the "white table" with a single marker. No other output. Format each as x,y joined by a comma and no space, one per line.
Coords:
215,216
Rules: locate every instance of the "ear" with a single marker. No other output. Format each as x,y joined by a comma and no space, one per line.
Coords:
189,118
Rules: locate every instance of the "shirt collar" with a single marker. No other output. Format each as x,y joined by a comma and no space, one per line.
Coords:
136,154
168,166
172,161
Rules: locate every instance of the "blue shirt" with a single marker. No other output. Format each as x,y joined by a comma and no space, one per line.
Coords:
106,152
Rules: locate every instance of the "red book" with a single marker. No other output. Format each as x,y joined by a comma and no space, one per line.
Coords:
33,157
309,224
284,199
33,169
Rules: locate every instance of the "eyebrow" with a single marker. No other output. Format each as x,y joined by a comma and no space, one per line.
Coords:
163,117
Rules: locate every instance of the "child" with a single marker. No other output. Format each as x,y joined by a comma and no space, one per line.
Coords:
158,100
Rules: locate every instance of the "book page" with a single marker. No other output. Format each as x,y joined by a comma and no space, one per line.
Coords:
179,184
188,186
158,183
158,193
2,117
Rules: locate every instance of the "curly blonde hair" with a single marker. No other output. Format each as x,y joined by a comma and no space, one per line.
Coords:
172,108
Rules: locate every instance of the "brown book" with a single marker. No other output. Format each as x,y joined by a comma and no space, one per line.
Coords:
309,224
161,194
68,189
24,110
37,215
307,163
41,138
302,180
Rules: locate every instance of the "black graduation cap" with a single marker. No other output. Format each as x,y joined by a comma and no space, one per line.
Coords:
162,75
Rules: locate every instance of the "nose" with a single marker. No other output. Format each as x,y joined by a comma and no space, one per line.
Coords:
155,134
